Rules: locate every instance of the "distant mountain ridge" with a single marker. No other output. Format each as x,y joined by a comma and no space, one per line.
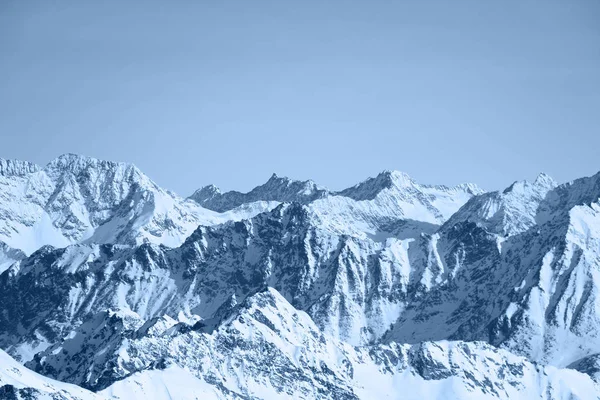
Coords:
283,189
77,199
280,189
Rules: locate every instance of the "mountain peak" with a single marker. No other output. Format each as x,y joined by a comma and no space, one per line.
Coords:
542,182
290,187
396,178
76,162
72,156
17,167
278,180
68,159
370,188
205,193
545,180
266,297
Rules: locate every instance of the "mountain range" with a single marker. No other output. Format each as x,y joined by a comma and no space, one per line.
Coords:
112,287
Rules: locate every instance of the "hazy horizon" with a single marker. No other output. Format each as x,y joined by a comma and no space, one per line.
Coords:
228,93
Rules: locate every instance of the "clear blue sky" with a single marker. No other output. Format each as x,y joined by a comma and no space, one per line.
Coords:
227,92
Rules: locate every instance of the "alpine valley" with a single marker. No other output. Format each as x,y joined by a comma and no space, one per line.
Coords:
114,288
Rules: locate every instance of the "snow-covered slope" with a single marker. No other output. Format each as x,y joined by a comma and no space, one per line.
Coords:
20,383
9,256
171,383
266,349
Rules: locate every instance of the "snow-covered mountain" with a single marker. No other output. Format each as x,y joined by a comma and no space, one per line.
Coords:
109,282
78,199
